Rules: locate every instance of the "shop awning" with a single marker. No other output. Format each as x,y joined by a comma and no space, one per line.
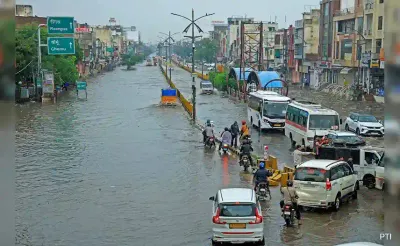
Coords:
345,70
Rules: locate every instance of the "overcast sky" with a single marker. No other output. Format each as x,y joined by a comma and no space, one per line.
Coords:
154,16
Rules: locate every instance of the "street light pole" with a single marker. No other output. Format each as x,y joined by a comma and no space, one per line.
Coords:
193,24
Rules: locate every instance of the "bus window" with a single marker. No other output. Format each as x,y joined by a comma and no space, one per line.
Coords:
323,121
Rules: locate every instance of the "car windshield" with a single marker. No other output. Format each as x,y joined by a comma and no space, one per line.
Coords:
206,85
275,109
237,210
324,122
367,118
310,174
349,138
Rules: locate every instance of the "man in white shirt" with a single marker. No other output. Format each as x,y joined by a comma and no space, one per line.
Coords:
298,155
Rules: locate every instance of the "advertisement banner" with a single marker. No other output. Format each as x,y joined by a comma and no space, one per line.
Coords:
48,83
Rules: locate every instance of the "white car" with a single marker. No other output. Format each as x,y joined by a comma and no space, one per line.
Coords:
210,69
236,217
363,124
324,183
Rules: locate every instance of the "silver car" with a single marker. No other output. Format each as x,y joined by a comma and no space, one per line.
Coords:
236,217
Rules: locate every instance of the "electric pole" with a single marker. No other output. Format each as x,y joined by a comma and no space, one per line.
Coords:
193,38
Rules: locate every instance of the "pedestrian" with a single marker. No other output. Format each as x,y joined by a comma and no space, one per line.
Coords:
235,132
298,155
350,162
317,146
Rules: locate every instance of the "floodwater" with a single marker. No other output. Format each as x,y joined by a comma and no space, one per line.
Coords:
118,169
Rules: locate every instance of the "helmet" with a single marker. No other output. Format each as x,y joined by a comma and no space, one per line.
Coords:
289,183
226,129
208,121
262,165
243,122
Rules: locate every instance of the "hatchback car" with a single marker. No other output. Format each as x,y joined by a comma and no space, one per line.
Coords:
346,138
324,183
236,217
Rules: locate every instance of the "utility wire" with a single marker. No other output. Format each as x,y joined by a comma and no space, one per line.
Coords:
24,67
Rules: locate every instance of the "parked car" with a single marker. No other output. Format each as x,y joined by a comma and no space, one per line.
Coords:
210,69
236,217
364,124
345,138
324,183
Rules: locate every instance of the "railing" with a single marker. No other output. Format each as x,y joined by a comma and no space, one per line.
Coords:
367,32
344,12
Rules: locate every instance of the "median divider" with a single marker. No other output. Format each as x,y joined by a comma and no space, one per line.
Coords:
189,69
185,103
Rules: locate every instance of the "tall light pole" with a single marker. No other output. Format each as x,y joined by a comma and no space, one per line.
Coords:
192,37
168,56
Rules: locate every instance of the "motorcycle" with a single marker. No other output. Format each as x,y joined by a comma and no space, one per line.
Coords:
262,190
225,148
288,214
245,162
210,142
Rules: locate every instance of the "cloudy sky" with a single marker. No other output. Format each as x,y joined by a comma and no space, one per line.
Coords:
154,16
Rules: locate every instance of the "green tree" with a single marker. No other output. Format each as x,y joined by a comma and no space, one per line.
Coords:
206,50
63,66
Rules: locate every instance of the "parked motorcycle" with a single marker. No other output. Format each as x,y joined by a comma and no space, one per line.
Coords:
245,162
262,190
288,214
210,142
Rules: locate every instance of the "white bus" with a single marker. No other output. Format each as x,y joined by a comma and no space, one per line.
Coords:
307,120
267,109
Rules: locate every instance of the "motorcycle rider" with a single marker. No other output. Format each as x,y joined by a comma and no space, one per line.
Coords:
226,137
290,196
208,132
235,132
245,149
244,131
261,175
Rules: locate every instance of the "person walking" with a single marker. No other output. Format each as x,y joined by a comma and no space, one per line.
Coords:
235,132
298,155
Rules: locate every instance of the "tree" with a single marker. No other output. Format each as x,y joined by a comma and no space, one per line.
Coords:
63,66
206,50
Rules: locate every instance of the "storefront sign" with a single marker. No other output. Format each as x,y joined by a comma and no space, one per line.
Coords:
348,56
375,63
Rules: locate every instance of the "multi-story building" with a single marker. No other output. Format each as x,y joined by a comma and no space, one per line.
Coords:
269,30
234,35
280,50
347,39
372,64
290,54
104,34
327,9
297,74
310,46
219,35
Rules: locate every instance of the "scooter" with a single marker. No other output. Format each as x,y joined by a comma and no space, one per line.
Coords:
210,142
288,214
245,162
225,148
262,190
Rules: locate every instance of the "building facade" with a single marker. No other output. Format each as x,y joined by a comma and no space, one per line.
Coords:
310,54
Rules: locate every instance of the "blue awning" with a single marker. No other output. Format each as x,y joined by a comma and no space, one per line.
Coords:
246,71
265,76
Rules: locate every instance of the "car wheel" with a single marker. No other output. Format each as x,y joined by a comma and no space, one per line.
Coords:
357,185
346,127
354,196
251,121
370,182
358,131
336,205
213,243
293,143
262,242
303,142
259,125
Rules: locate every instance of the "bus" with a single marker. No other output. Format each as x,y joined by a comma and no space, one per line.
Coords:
307,120
267,109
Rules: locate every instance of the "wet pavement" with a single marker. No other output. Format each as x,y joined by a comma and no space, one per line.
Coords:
118,169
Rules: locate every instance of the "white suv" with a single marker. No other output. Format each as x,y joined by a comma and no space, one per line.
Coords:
324,183
236,217
363,124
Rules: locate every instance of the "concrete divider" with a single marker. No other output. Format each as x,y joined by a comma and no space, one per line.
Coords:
185,103
189,69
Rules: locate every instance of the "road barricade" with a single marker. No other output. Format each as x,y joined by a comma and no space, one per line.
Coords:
185,103
189,69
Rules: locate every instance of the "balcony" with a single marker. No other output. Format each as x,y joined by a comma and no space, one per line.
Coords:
344,14
369,7
368,33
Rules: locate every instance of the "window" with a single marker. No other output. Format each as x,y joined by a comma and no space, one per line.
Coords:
371,158
254,103
347,170
323,122
275,109
337,173
367,118
310,174
237,210
298,116
381,1
380,22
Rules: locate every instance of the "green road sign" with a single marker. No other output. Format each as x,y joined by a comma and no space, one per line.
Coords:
80,85
60,25
60,46
110,49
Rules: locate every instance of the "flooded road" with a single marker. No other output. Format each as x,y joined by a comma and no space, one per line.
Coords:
118,169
